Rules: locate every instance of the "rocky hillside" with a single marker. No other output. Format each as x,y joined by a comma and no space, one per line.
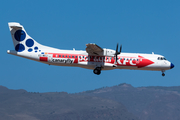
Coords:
22,105
121,102
147,103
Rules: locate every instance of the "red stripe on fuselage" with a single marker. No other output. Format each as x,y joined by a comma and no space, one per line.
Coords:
43,59
122,61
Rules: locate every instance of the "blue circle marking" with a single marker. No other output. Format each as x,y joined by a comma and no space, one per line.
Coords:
29,42
36,48
19,47
20,35
30,50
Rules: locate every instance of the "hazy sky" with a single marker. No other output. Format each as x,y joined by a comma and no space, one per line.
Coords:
140,26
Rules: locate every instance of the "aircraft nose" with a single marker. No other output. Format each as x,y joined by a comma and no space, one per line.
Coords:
172,65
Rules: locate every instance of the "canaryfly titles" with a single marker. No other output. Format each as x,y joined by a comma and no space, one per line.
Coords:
62,60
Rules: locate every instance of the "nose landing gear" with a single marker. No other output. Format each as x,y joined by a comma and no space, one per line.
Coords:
97,70
163,74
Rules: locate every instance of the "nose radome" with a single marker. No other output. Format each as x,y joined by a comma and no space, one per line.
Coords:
172,65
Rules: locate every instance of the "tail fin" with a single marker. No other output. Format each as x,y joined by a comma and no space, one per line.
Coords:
22,41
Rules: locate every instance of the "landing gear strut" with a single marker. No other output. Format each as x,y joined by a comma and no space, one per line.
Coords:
97,70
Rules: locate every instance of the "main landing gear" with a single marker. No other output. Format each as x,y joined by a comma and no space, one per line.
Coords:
97,70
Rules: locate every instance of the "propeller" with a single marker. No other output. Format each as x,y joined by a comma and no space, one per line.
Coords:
117,53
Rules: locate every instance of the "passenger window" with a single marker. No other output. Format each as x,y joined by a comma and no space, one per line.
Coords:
59,55
76,56
69,56
66,56
72,56
63,56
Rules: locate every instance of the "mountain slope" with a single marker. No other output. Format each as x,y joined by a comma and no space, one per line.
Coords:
148,103
22,105
121,102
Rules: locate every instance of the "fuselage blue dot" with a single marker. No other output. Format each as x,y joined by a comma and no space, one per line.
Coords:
36,48
29,42
19,47
20,35
30,50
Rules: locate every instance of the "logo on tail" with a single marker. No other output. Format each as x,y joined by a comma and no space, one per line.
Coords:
22,41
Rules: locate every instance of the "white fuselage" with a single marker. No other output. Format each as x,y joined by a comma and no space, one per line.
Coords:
93,58
75,58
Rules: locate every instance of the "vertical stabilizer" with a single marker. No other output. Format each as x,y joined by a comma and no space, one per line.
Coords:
21,40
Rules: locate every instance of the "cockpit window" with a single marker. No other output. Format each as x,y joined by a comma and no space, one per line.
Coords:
161,58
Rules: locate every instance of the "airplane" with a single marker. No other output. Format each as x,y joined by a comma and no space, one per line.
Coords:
94,57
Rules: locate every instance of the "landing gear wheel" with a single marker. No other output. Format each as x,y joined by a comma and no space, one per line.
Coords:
163,74
97,71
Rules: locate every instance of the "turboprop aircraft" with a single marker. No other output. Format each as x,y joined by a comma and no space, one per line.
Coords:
95,57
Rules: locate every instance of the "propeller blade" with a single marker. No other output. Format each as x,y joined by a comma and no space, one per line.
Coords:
116,58
117,53
117,48
120,49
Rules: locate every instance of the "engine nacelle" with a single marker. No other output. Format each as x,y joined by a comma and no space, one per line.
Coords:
108,52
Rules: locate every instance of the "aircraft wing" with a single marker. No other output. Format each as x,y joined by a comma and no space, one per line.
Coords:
94,49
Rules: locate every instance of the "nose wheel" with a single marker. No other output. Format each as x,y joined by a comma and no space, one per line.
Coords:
163,74
97,70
